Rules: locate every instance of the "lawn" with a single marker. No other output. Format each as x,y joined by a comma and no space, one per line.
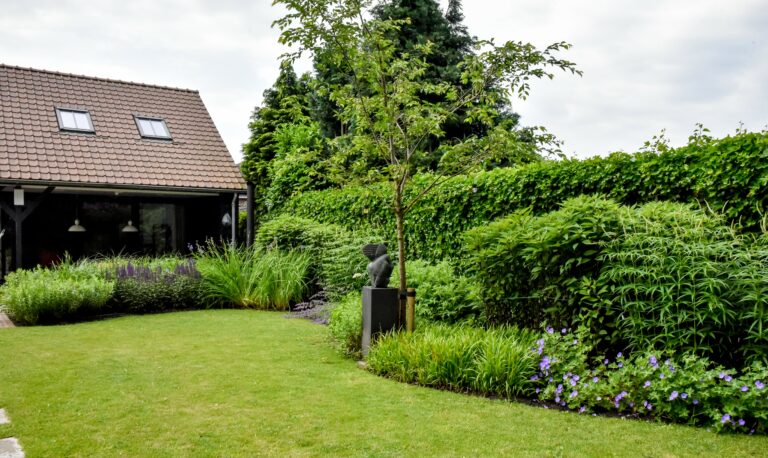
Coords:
243,383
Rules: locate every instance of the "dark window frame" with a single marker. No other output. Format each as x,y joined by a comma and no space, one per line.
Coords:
63,128
137,118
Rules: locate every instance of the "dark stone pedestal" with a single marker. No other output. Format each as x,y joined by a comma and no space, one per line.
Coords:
380,310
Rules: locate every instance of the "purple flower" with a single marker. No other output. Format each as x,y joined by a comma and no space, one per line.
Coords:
598,398
573,382
574,393
760,385
550,330
620,364
652,361
564,331
673,396
557,399
559,389
544,365
582,409
606,361
742,422
647,384
631,404
534,378
576,377
619,355
661,376
538,390
726,418
722,375
744,389
645,403
684,395
728,378
595,379
575,341
540,344
649,406
695,401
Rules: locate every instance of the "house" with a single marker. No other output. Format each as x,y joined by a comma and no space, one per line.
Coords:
94,166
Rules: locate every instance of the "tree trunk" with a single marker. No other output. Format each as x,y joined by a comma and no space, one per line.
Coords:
400,218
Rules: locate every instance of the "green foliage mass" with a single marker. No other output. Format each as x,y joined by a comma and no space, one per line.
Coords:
337,263
494,361
346,323
267,280
442,294
66,292
662,276
729,174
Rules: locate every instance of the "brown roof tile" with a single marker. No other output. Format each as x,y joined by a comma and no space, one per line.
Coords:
33,148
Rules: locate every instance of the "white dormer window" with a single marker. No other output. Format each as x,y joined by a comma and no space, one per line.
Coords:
152,127
74,120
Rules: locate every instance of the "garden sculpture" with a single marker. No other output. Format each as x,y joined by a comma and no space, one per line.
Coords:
380,267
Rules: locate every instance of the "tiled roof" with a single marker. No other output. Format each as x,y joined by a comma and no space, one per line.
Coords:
32,148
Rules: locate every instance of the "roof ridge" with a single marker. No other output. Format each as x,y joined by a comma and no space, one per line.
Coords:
97,78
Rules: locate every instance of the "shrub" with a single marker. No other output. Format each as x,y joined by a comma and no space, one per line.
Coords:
684,280
248,278
140,288
496,361
441,294
535,269
337,262
682,388
346,324
62,293
728,173
660,276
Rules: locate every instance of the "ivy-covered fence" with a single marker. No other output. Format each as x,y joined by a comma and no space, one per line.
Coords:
730,174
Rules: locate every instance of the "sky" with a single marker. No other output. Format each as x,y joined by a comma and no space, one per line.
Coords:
648,65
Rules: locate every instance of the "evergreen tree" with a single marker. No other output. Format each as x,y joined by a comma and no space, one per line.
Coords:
286,102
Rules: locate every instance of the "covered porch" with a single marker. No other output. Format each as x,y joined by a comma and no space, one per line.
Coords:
42,223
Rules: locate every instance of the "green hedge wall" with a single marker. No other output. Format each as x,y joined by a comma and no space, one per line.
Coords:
729,174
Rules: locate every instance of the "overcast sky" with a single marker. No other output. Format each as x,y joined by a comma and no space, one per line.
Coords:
648,65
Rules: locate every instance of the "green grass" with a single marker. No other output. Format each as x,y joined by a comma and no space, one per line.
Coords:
246,383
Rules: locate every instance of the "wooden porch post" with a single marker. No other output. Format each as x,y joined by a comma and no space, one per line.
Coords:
249,215
235,218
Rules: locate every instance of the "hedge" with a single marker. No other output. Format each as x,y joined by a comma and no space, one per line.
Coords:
729,174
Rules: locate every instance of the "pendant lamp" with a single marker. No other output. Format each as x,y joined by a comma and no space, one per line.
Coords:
76,227
130,227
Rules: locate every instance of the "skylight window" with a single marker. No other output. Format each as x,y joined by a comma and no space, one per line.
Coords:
74,120
152,127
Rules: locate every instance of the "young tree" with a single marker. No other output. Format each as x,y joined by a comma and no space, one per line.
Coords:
384,98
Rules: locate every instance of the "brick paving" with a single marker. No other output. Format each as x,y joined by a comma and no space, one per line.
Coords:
5,322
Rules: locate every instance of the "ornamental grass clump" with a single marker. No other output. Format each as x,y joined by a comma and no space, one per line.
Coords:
463,358
66,292
248,278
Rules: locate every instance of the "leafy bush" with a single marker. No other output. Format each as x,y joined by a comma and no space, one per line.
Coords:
346,324
660,276
144,289
62,293
684,280
337,262
496,361
728,173
680,388
441,294
535,269
248,278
